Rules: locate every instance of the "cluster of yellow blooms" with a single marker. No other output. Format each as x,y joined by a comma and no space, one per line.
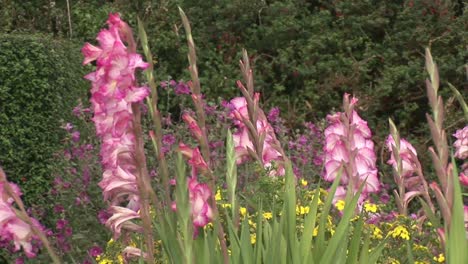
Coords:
400,231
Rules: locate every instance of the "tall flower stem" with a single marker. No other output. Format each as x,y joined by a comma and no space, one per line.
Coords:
144,184
201,120
154,111
440,156
145,190
23,215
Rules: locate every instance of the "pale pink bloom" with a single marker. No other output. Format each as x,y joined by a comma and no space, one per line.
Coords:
242,141
13,228
461,144
90,52
407,152
346,136
133,252
120,219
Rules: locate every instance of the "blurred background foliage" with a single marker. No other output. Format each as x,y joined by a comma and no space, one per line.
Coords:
305,55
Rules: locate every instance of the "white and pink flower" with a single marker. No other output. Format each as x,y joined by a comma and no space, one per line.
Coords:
113,92
348,146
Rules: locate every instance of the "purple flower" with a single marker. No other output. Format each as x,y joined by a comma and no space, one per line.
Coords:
68,127
75,136
61,224
103,215
58,209
168,139
95,251
181,88
273,115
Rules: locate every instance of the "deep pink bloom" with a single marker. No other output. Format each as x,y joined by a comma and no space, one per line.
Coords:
193,126
194,156
464,179
199,195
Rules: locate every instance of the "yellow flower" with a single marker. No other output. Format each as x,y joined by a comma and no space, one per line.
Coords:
267,215
340,204
301,210
439,258
208,226
253,238
252,224
226,205
377,233
400,231
420,247
110,242
304,182
315,231
120,258
243,211
218,196
106,261
370,207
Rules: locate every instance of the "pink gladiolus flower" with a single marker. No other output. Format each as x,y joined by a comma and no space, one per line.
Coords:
464,179
113,92
242,142
193,126
461,144
461,152
194,156
199,195
13,228
407,152
348,133
120,219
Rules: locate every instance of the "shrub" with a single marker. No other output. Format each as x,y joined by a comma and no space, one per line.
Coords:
40,81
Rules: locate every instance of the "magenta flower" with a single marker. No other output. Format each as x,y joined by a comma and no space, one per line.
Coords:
95,251
194,157
199,195
193,126
348,144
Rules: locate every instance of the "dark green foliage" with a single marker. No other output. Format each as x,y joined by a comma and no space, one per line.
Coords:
40,82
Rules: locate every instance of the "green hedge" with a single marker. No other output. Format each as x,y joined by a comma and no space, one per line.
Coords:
40,83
